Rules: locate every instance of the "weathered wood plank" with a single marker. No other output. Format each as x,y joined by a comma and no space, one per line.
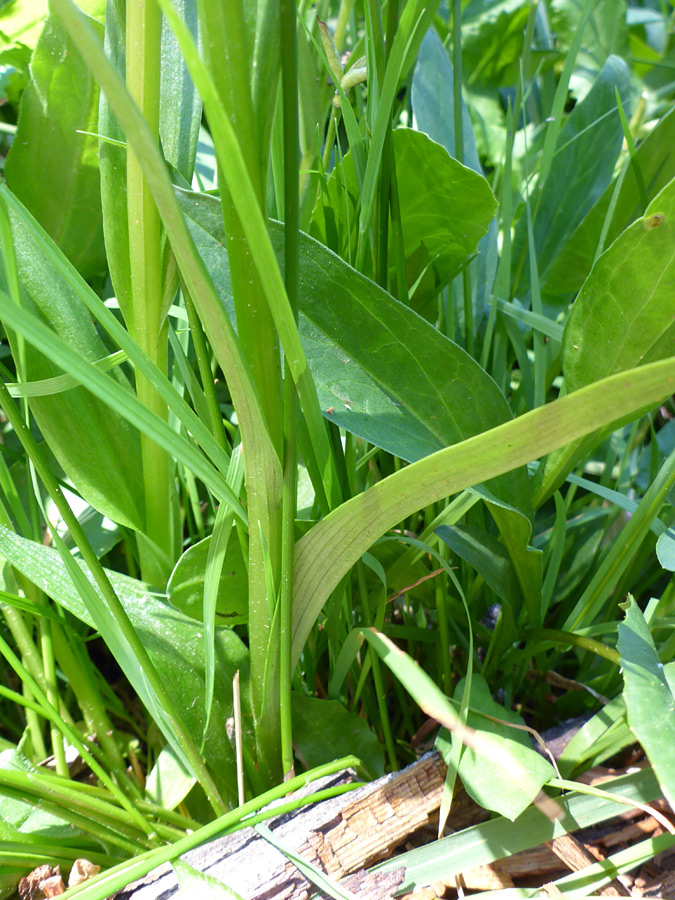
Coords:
342,836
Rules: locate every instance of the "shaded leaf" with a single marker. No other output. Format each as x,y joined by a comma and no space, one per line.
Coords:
492,43
97,449
51,167
324,730
445,207
185,590
588,146
433,109
606,33
648,691
656,158
488,556
486,782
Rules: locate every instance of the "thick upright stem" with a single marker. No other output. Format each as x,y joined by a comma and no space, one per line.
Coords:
143,33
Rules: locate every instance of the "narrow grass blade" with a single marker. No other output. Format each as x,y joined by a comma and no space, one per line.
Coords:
197,279
620,555
118,333
120,399
239,184
318,878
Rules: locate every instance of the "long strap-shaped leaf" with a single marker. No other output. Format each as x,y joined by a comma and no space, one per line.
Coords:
334,545
232,163
197,279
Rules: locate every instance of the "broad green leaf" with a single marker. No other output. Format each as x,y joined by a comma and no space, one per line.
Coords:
185,590
587,150
445,207
325,730
656,159
648,691
168,782
623,316
504,758
334,545
174,643
433,109
96,448
359,341
486,782
51,167
488,556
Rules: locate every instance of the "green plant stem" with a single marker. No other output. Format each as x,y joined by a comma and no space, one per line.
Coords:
380,692
111,599
143,41
289,93
119,876
24,642
95,716
47,646
344,13
42,706
574,640
203,363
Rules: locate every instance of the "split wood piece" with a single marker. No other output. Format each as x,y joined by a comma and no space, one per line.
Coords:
576,857
342,836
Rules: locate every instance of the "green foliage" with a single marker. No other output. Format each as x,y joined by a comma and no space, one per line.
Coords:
62,190
648,692
461,371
